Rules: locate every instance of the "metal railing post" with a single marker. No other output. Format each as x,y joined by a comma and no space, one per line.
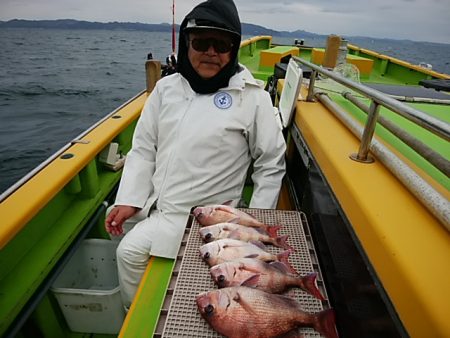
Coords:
363,152
312,80
432,199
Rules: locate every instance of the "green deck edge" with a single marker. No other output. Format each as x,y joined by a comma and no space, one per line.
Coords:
145,315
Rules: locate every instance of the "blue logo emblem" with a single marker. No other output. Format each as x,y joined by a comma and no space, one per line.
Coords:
223,100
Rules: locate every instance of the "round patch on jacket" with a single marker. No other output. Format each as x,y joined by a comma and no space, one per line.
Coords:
223,100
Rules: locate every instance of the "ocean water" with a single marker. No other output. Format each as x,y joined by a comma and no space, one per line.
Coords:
56,83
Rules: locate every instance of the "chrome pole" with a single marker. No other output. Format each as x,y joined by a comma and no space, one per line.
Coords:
436,159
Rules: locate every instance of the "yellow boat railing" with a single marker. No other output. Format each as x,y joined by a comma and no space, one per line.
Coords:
26,198
432,199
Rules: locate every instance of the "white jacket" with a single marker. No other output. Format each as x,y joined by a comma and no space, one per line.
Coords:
191,149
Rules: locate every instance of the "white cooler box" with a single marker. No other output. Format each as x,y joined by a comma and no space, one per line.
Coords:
88,291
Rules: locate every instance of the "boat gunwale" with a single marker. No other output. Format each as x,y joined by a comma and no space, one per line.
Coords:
61,150
399,62
61,172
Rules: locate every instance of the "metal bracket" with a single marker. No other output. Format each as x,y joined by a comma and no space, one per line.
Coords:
80,142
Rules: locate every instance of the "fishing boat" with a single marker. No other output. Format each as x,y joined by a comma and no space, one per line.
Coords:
367,166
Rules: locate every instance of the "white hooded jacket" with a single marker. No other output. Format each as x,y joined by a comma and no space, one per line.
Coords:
191,149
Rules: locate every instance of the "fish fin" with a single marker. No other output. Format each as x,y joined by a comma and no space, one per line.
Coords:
248,268
227,202
282,243
259,245
234,220
224,207
292,334
226,227
251,281
235,244
251,256
280,266
272,230
237,298
260,230
309,284
250,215
326,323
235,234
283,257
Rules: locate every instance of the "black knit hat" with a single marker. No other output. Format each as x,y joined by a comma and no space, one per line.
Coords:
212,14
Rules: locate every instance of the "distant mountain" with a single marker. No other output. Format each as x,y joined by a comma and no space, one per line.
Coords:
76,24
247,29
251,29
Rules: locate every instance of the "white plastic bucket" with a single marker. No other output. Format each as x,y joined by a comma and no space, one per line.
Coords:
88,291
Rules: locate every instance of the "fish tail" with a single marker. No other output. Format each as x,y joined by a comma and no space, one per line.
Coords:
326,324
283,258
282,242
309,284
272,230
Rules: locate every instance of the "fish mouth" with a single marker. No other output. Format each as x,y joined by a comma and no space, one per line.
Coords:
218,277
202,300
192,211
197,212
204,254
205,307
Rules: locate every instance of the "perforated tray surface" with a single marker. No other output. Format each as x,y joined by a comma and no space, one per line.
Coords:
183,318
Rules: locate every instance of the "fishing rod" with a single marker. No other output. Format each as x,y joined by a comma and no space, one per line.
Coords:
173,26
171,59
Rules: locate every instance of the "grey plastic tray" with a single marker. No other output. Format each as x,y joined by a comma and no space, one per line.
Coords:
180,317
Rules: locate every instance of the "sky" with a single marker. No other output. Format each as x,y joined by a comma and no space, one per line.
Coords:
419,20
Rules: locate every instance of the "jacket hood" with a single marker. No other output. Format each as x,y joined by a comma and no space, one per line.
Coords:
211,14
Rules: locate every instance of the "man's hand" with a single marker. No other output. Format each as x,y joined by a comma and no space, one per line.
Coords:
118,215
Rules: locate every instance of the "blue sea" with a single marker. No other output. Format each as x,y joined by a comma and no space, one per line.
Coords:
56,83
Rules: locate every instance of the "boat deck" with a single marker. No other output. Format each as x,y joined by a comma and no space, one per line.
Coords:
399,244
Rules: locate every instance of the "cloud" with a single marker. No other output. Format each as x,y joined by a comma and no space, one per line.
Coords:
405,19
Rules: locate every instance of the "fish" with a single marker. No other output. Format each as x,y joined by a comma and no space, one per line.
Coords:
228,249
236,231
273,277
242,312
221,213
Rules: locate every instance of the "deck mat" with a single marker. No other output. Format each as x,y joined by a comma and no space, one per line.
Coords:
184,319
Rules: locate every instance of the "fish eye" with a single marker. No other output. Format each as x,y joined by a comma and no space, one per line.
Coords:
208,236
221,278
209,309
206,255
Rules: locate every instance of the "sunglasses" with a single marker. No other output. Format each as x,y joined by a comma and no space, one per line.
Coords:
220,46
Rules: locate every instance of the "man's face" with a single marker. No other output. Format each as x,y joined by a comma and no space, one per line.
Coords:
209,51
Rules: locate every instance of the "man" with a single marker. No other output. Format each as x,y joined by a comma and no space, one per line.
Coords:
198,133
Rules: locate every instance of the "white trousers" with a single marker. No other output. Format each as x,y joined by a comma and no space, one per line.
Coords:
159,234
133,253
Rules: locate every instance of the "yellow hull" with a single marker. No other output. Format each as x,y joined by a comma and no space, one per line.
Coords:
406,245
